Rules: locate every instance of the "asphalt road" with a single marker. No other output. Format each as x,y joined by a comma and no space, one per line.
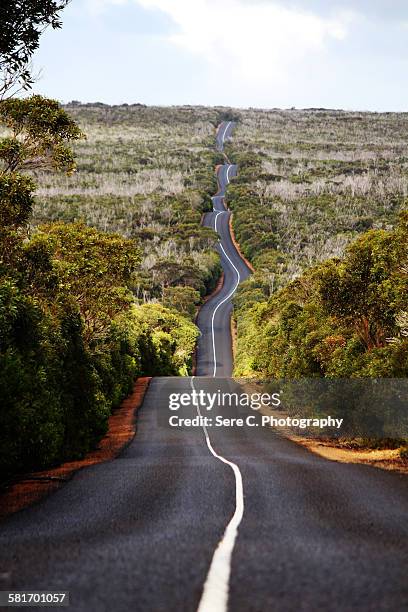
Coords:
214,350
141,533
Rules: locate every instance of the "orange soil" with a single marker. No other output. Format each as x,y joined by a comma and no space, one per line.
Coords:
384,458
248,263
31,488
234,337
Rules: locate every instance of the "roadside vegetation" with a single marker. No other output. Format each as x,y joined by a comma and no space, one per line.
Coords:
103,261
316,209
320,210
147,174
102,258
74,333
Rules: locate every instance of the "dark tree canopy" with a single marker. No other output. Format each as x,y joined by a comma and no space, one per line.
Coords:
21,25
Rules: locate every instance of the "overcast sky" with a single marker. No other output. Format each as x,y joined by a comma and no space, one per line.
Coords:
350,54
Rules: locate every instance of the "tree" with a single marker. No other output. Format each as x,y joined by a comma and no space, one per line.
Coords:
93,269
38,134
182,299
65,357
21,24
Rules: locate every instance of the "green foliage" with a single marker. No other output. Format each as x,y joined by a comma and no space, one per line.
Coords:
145,173
40,133
93,266
340,319
21,25
173,338
56,392
362,287
72,338
311,181
182,299
71,345
16,199
51,406
309,184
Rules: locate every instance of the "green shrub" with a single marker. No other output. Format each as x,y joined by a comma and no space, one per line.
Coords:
340,319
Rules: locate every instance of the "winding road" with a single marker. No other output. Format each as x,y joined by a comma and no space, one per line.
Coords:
210,518
214,354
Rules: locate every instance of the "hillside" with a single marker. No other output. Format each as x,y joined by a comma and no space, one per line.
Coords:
146,173
102,265
310,184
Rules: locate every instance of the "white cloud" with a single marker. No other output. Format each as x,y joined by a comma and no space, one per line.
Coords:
97,7
261,53
254,40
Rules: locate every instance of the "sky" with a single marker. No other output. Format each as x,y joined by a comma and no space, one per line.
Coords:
350,54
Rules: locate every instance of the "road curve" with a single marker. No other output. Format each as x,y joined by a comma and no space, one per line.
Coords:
139,533
214,351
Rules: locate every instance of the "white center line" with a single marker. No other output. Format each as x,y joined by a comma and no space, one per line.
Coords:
216,218
216,586
220,304
228,171
225,131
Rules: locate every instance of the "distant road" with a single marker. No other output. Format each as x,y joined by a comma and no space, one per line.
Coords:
214,347
142,533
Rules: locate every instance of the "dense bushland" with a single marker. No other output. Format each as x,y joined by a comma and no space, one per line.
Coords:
86,261
72,336
310,183
146,173
345,317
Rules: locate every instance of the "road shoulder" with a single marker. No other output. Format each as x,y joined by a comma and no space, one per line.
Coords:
32,488
385,459
341,452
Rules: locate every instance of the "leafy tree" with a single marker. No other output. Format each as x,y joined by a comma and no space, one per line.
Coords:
342,318
21,25
39,135
70,342
16,201
92,267
182,299
173,339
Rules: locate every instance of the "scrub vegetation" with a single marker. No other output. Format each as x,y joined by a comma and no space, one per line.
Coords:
318,209
147,174
103,263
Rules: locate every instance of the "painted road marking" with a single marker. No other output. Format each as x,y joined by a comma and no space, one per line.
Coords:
228,171
225,132
216,586
219,305
216,218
